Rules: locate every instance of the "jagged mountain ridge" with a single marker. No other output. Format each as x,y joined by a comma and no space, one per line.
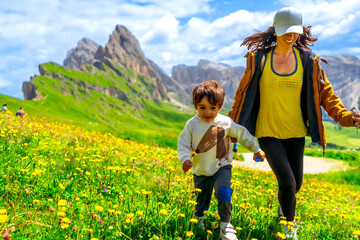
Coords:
227,76
122,55
84,53
343,71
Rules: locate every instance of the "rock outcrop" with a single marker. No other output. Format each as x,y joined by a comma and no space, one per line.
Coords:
29,90
343,71
176,92
124,49
227,76
82,54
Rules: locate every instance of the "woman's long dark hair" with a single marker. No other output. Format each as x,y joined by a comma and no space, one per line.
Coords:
267,39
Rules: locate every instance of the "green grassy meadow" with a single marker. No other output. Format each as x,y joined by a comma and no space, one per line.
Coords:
61,181
87,165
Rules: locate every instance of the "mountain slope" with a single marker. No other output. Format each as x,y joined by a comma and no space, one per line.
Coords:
116,90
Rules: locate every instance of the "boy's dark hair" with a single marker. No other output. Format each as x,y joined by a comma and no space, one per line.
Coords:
212,90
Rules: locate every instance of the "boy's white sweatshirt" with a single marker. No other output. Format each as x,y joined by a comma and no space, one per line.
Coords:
211,142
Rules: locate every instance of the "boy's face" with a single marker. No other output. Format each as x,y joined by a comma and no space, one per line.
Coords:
206,111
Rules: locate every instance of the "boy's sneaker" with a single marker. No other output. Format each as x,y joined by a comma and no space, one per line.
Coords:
201,223
290,231
227,231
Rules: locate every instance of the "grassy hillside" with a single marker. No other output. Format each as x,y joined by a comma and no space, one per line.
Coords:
80,98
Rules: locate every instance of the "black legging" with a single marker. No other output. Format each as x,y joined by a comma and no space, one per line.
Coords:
286,157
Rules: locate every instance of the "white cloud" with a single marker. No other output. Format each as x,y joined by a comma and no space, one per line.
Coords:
164,30
354,50
3,83
329,18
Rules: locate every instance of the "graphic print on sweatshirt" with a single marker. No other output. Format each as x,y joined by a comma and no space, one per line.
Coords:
214,136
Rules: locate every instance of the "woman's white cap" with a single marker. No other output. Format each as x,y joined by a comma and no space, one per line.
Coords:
288,20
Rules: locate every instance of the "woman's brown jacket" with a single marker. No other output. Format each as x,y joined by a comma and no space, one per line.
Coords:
316,91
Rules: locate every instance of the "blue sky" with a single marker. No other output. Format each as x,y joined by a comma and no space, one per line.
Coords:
169,32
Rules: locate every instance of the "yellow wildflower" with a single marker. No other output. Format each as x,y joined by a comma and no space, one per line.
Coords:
281,235
290,223
62,209
62,203
214,225
189,233
64,226
129,220
65,219
146,193
193,203
61,214
283,222
99,208
3,218
163,212
193,220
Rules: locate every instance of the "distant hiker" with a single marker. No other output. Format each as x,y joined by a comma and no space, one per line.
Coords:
208,135
4,108
20,112
278,100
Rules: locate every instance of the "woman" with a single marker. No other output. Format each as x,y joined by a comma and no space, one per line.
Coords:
279,98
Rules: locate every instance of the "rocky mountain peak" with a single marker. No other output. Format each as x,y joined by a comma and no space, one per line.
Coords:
208,64
343,71
228,77
343,59
123,49
82,54
122,45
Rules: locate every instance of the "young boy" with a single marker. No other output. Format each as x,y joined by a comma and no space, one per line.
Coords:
208,134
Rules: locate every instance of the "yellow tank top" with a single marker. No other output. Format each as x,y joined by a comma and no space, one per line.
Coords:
280,113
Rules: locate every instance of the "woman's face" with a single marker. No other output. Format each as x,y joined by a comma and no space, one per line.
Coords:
287,39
